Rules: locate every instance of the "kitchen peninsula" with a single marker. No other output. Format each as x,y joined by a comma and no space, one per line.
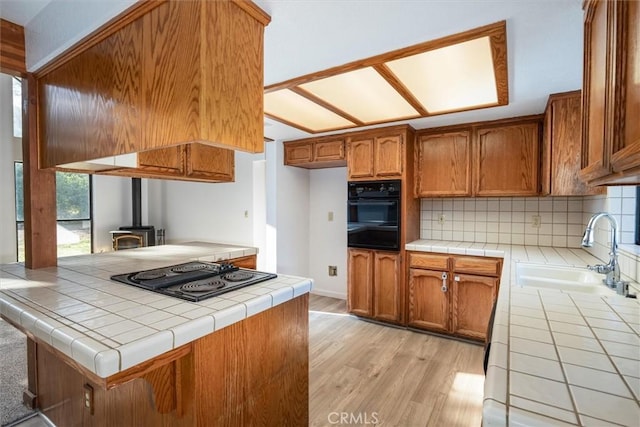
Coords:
105,353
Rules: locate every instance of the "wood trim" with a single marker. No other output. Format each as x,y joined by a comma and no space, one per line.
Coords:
487,30
498,43
391,78
311,97
12,50
137,10
40,221
254,11
473,125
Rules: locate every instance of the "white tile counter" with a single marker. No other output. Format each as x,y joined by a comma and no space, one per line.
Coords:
107,326
557,358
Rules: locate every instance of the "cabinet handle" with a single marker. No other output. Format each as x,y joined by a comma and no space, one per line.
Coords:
444,282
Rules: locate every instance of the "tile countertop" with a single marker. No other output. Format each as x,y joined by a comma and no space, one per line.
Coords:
108,327
557,358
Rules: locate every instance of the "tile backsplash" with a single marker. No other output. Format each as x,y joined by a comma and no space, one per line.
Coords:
562,220
508,220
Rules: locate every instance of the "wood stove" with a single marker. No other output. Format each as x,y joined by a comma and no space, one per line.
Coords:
136,235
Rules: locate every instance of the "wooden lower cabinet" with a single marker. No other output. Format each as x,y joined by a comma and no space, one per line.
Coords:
428,303
472,301
374,285
444,300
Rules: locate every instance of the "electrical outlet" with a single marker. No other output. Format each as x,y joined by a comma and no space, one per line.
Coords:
330,216
333,270
535,221
88,398
442,219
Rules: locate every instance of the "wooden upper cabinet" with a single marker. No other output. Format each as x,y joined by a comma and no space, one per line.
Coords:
443,164
387,292
360,154
562,146
315,153
611,93
188,162
626,146
375,157
173,73
507,160
360,297
388,156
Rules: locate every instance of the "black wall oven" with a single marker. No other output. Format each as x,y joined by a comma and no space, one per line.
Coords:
373,218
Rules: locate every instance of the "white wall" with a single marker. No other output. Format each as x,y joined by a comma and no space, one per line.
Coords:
328,239
10,150
292,215
222,212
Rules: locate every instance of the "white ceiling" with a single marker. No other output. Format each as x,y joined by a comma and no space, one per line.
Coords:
544,39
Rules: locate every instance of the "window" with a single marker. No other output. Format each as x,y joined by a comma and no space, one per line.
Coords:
17,107
74,213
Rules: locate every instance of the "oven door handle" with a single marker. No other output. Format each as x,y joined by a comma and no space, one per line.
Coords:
373,202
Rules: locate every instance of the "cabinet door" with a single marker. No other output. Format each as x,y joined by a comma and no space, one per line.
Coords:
164,161
473,298
428,304
298,153
210,163
626,147
360,283
388,156
444,165
507,160
596,135
328,151
387,297
360,158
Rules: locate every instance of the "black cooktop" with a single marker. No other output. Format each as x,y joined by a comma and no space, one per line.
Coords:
195,280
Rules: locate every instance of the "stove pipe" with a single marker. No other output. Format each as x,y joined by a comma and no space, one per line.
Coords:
136,201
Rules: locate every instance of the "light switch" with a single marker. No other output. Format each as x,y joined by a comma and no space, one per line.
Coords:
330,216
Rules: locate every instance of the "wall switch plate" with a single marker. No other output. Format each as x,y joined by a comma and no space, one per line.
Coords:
442,219
333,270
246,214
330,216
536,221
88,398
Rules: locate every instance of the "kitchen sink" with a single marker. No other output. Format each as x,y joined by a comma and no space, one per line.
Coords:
573,279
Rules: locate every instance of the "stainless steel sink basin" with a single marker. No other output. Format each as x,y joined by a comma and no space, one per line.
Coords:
572,279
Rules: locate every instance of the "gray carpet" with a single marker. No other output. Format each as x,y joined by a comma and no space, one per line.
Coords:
13,373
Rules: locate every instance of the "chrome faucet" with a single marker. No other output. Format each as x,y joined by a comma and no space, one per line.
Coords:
612,269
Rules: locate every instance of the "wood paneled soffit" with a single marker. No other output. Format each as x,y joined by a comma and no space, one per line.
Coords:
426,79
12,53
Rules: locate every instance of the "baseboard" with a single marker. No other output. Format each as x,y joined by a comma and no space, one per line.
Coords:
331,294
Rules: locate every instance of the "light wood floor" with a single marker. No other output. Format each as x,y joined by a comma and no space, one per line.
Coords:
393,376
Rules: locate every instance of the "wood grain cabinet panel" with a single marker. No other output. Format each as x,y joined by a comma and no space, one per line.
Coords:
360,297
562,147
429,306
360,157
388,156
315,153
449,300
387,295
443,164
507,160
429,261
611,93
168,161
375,285
472,299
210,163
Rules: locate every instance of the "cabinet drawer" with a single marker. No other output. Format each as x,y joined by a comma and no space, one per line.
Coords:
429,261
477,265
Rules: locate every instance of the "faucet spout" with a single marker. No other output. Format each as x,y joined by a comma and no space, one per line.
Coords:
612,269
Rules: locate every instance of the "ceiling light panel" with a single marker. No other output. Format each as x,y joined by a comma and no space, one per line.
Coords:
363,94
298,110
452,78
